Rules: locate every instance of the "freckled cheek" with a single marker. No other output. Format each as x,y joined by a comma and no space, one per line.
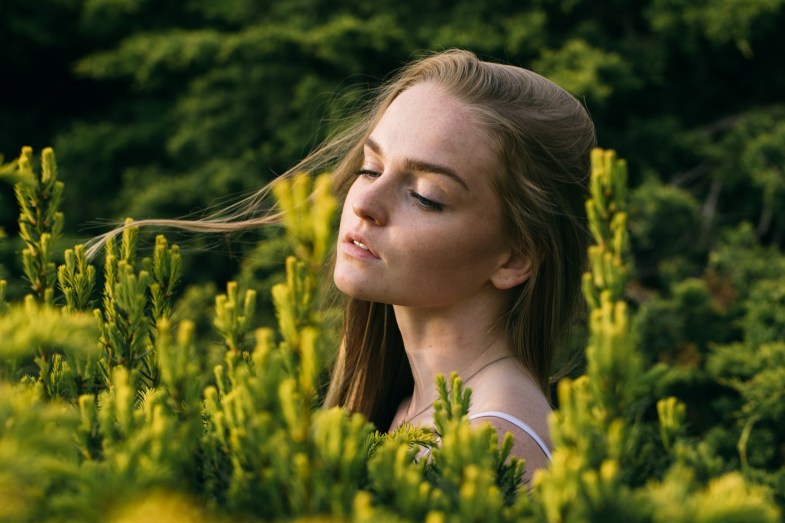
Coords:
446,256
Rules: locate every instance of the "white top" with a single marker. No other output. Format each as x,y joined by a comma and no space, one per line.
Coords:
507,417
518,423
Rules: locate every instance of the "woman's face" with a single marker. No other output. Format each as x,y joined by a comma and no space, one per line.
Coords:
421,225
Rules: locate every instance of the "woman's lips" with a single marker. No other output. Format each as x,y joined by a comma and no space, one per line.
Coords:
358,247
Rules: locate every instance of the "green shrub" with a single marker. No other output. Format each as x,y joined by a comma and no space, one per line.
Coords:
117,413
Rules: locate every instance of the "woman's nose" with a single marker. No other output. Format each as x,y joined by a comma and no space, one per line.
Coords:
369,201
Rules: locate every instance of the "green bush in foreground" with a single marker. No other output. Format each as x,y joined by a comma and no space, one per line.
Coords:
114,415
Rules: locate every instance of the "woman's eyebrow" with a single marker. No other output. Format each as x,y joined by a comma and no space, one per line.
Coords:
419,165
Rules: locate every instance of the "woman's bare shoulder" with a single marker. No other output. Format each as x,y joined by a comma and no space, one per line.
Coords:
529,446
509,400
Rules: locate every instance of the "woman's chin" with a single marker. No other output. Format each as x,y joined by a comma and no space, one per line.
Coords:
354,289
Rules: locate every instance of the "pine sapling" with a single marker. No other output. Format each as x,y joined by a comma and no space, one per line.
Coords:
126,329
76,279
165,269
308,210
671,414
471,476
181,379
233,315
604,450
592,428
40,222
299,324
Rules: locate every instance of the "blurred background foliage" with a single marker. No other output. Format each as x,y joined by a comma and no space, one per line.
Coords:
163,109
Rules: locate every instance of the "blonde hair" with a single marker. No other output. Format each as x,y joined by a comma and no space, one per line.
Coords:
543,137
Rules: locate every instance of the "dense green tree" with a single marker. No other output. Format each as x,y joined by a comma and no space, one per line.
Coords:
157,110
162,109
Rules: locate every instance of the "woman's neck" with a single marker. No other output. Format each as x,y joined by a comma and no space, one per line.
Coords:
441,341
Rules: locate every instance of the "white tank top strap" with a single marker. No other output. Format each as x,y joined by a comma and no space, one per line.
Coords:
518,423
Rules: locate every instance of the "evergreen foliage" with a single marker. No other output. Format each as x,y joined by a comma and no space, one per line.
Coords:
40,223
155,110
117,414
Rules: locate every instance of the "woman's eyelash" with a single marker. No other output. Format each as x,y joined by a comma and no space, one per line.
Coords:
367,172
425,203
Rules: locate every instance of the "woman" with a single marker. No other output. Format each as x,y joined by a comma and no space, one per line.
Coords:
461,243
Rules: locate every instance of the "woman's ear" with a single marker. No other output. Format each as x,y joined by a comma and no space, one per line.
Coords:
515,271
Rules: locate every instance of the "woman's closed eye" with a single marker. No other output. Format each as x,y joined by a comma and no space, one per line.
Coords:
368,173
425,203
420,200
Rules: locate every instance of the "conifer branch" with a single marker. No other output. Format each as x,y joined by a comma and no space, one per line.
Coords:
308,209
126,328
76,279
233,315
40,222
27,327
165,269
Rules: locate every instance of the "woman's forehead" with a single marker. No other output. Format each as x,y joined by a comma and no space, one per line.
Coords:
428,124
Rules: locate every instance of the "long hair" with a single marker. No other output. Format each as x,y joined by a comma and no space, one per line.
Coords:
543,137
